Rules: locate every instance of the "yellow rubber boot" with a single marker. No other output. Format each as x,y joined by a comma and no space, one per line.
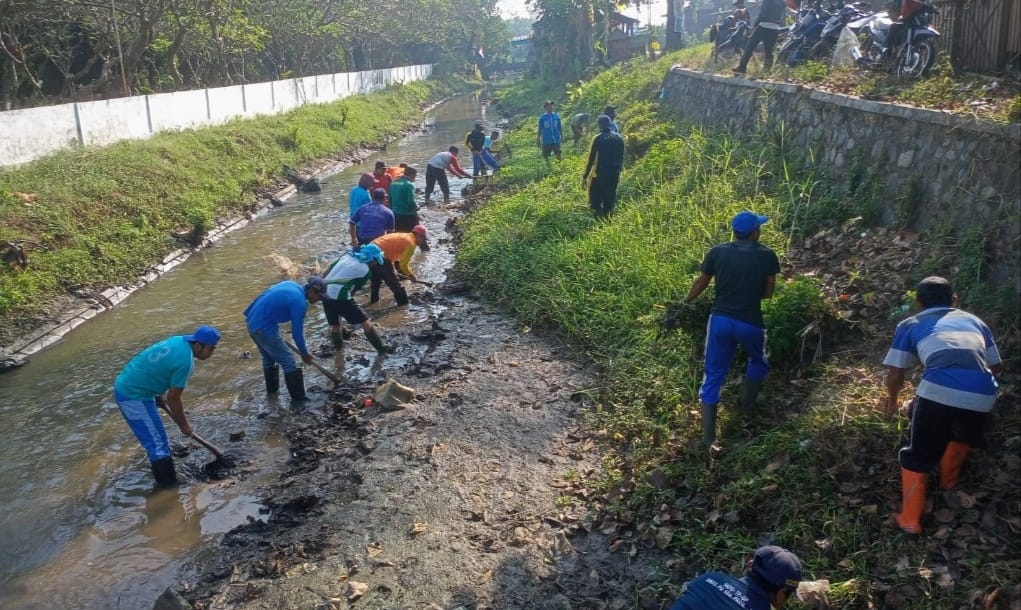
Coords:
909,519
950,464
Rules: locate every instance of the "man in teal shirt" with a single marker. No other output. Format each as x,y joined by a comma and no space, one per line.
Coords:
402,201
156,377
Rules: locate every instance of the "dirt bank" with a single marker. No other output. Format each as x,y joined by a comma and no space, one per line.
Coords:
465,499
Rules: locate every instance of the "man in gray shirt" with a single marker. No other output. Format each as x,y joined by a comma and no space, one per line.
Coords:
771,20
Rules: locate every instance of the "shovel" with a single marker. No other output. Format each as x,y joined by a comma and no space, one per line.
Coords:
211,447
318,367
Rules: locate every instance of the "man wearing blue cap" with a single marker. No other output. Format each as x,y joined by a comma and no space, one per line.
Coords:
371,221
602,172
772,580
283,302
156,377
343,277
745,273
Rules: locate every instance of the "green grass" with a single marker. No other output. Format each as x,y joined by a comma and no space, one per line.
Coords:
101,216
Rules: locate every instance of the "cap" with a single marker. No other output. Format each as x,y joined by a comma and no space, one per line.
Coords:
410,170
548,103
777,566
479,125
378,194
746,222
610,111
420,231
316,282
206,335
603,121
369,252
935,290
380,163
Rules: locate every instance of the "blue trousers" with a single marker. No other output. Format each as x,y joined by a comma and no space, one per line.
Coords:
723,335
145,422
485,157
273,350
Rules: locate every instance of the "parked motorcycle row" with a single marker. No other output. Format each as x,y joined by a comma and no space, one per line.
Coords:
898,40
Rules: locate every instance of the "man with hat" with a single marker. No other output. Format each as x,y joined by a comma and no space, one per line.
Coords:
343,277
475,140
772,580
380,178
745,273
283,302
952,402
550,132
371,221
402,200
611,111
398,248
156,377
602,172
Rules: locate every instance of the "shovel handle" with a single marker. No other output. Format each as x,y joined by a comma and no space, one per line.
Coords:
318,367
198,439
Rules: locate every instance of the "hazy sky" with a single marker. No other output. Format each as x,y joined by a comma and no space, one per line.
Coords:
511,8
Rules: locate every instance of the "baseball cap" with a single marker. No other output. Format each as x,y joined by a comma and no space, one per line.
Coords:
548,103
935,290
369,252
746,222
479,125
316,282
206,335
380,163
378,194
778,566
604,121
420,230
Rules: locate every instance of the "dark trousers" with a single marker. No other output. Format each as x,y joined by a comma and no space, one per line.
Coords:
434,176
602,194
386,273
933,426
404,223
768,39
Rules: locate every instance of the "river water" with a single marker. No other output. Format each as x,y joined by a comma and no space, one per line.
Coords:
81,526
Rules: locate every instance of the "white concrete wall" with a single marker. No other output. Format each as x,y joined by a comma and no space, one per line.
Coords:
32,133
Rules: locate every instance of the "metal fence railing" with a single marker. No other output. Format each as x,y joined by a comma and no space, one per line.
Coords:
980,35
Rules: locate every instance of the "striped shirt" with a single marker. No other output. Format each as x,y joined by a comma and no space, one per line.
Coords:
956,349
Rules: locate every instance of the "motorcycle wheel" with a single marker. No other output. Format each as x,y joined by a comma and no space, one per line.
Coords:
917,60
823,50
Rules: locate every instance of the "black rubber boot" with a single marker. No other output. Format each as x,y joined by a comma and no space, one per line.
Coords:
377,342
708,424
272,376
401,296
337,339
163,471
752,387
295,381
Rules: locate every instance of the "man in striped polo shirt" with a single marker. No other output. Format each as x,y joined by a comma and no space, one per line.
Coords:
953,399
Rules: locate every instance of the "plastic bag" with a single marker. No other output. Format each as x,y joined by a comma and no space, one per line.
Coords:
842,54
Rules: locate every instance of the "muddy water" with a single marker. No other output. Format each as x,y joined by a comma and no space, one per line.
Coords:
81,527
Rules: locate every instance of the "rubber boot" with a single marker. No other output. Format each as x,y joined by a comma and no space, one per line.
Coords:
295,381
164,472
401,296
909,519
950,464
337,338
377,342
272,376
708,424
752,387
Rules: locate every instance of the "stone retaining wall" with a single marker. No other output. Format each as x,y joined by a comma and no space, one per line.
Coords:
964,171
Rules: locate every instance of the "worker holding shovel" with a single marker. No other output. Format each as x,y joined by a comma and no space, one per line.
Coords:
156,377
344,276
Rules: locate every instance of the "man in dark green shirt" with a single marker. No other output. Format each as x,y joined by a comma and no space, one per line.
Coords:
402,201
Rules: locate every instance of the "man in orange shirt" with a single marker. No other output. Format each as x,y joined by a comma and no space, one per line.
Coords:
398,249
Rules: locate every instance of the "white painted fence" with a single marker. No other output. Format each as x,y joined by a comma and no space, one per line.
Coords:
32,133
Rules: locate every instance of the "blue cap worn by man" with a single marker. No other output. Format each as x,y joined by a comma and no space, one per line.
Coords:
745,274
283,302
772,579
156,377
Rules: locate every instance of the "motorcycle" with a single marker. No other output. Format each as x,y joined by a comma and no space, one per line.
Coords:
730,41
803,35
903,43
846,13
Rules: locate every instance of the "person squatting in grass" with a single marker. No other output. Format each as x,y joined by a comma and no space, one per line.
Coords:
579,126
372,220
745,273
952,402
602,172
771,580
283,302
343,277
436,172
402,200
398,248
550,132
157,377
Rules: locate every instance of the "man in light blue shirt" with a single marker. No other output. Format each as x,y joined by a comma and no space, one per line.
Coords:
953,400
156,377
286,301
550,132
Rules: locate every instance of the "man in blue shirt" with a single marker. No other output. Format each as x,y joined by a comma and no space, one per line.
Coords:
283,302
953,400
602,172
372,220
156,377
550,132
771,581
